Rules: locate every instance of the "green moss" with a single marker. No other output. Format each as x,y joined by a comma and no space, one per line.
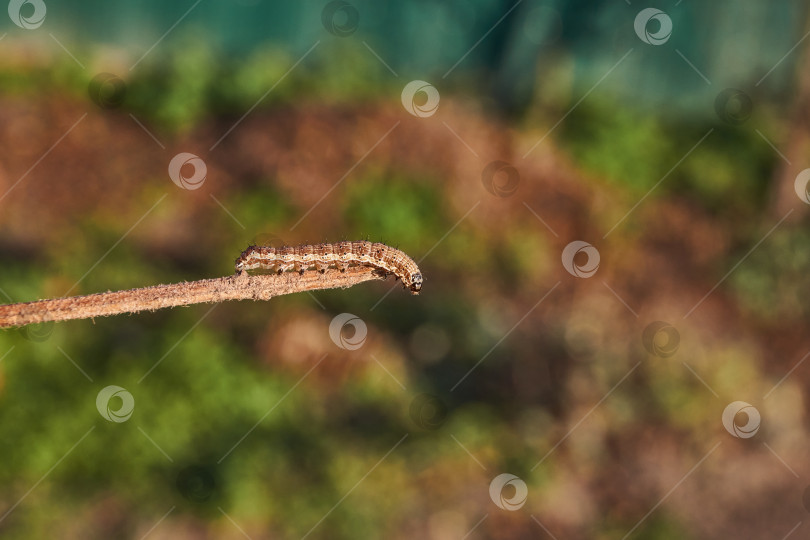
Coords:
626,147
394,206
772,282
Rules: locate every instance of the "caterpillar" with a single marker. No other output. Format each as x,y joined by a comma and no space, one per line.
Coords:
340,255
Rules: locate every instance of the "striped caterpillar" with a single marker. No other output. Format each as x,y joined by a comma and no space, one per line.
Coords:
340,255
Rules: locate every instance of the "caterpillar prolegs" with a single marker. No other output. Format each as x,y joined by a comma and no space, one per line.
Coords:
340,255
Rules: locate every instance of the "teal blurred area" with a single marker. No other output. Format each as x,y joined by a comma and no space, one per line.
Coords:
735,42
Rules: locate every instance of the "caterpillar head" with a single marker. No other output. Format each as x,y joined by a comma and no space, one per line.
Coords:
416,283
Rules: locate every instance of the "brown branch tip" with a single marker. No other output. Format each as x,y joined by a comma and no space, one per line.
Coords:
236,287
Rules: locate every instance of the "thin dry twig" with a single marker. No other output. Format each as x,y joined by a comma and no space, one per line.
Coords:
236,287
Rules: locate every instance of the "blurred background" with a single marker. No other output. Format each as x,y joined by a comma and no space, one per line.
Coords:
608,204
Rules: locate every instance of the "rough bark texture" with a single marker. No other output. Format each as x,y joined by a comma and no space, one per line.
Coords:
236,287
